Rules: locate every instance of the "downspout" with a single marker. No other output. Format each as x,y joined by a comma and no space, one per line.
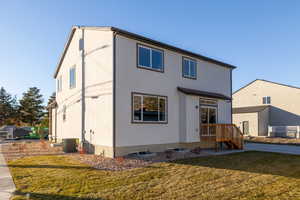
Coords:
231,95
114,94
81,46
55,136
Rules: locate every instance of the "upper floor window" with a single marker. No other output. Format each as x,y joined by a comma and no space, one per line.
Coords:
149,108
72,77
150,58
266,100
189,68
59,84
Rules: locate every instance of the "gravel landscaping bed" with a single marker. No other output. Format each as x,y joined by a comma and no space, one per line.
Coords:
133,161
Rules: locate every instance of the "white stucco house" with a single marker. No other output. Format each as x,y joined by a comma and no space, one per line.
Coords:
263,103
121,93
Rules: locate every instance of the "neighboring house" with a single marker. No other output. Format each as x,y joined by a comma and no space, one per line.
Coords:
263,103
138,94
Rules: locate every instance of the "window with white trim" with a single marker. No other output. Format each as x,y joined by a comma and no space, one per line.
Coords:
189,68
72,77
150,58
267,100
59,84
149,108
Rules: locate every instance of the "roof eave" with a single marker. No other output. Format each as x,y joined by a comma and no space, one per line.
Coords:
137,37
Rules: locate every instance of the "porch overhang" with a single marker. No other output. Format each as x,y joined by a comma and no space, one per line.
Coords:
203,93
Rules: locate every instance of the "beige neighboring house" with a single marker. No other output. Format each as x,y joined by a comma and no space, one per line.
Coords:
120,93
263,103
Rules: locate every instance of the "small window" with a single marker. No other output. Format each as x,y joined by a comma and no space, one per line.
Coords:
64,113
189,68
266,100
59,84
149,108
150,58
72,78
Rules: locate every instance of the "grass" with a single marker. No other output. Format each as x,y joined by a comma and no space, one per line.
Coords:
247,175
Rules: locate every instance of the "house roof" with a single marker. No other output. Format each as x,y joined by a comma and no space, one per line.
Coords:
140,38
265,81
203,93
249,109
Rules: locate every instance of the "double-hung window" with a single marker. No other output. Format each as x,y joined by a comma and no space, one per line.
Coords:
189,68
59,84
150,58
72,77
149,108
266,100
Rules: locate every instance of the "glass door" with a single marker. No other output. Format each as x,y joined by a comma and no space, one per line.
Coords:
208,116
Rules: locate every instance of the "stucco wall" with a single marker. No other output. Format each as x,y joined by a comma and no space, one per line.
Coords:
253,122
263,122
98,89
129,78
71,127
285,109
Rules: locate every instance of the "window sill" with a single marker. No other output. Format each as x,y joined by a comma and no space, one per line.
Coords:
150,69
189,77
135,122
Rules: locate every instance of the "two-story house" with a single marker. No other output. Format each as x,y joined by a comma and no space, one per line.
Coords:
120,93
263,103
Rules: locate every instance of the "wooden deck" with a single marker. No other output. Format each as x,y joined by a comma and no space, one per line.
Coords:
228,134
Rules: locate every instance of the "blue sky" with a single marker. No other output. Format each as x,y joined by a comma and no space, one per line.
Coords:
261,37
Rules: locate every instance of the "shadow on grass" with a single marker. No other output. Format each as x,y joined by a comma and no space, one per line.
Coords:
49,166
251,161
40,196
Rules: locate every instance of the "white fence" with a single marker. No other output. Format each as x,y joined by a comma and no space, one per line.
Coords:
284,131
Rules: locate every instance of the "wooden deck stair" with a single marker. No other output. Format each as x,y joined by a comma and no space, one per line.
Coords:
228,134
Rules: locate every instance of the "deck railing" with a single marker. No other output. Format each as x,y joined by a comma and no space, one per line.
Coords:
227,133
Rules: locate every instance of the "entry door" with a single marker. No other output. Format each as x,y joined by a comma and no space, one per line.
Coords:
208,116
246,127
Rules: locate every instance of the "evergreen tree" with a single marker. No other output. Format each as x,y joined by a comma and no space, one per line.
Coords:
7,104
51,98
45,119
31,106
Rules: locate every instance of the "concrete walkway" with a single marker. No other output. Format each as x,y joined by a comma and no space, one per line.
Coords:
7,185
288,149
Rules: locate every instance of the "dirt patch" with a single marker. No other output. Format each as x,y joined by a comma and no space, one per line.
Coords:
20,149
273,140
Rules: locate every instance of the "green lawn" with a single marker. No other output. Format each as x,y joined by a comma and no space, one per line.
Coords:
248,175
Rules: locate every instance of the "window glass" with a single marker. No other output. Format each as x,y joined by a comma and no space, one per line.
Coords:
58,87
268,100
189,68
186,70
144,57
150,108
137,102
59,84
64,113
193,69
162,109
212,116
157,59
73,77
